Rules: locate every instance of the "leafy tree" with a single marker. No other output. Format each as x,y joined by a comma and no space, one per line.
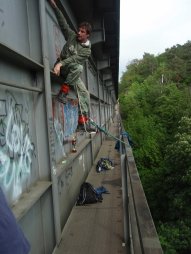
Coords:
175,237
178,173
129,76
155,105
170,106
147,66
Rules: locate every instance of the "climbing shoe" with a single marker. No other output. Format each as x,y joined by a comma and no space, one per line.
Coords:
82,119
65,88
62,95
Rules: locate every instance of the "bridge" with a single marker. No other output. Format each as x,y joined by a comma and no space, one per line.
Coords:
39,174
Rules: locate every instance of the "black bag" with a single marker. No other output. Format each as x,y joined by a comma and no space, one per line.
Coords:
88,195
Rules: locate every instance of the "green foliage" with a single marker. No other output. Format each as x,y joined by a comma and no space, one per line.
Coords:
175,237
129,76
178,154
170,106
147,132
155,105
178,63
178,170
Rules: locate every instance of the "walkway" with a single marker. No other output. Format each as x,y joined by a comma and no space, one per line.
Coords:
98,228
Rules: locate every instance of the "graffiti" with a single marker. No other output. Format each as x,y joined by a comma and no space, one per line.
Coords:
59,134
57,39
58,123
82,161
65,121
52,143
16,148
70,118
65,180
68,176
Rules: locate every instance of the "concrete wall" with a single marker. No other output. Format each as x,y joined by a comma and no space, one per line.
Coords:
38,173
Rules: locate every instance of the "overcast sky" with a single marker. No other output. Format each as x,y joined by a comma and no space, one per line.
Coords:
151,26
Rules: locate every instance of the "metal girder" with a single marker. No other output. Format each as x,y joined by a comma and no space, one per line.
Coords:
107,76
98,33
103,64
97,36
108,83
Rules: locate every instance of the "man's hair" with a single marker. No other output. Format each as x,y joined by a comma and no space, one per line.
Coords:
87,26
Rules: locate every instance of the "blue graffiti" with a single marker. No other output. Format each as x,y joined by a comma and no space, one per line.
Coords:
70,118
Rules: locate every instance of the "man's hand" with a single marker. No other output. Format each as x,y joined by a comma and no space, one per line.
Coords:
52,2
57,69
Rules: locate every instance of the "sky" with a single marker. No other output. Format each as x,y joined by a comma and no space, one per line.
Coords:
151,26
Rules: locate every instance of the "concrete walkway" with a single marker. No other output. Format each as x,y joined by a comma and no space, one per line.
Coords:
98,228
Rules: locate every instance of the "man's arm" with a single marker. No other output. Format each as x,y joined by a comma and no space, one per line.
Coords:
65,28
79,58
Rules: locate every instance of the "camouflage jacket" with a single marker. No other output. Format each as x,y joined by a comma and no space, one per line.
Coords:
73,51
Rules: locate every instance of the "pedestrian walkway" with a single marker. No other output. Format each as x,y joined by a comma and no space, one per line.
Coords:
98,228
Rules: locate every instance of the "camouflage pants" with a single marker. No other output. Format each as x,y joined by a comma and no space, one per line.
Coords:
71,74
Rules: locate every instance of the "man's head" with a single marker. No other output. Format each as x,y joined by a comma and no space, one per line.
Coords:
84,31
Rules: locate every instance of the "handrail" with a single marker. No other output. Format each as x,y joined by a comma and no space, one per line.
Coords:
141,235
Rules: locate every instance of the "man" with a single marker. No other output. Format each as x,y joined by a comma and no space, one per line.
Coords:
70,63
12,240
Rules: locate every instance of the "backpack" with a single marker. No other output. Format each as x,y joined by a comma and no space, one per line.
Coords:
88,195
104,164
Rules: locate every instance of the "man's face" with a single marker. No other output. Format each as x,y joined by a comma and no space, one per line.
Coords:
82,35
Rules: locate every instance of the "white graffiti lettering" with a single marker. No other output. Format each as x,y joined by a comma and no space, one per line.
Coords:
16,148
59,134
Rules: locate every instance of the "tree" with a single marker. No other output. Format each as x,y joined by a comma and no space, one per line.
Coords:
155,105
